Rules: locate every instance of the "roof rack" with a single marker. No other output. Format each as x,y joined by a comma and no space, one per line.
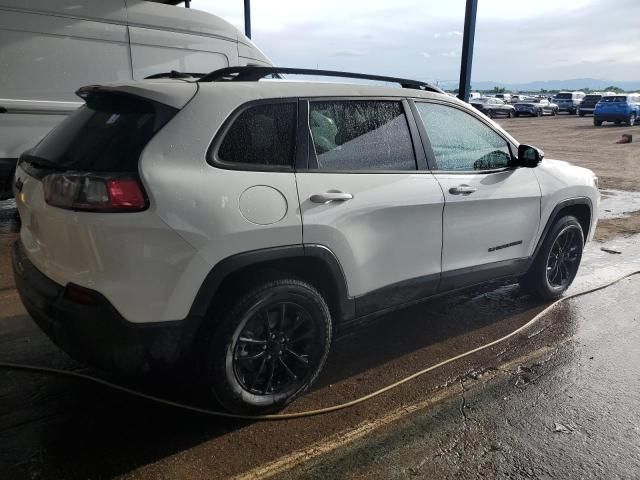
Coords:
174,74
253,74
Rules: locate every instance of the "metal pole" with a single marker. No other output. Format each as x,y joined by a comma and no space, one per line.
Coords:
247,18
467,49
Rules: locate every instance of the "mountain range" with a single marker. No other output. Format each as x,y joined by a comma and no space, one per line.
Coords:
571,84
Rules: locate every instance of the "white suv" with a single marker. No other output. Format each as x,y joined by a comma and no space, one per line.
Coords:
238,223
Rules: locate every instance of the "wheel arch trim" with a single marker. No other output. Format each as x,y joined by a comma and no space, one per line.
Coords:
554,216
224,268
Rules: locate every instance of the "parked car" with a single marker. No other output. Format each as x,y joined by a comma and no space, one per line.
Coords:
568,101
618,109
588,104
50,49
536,108
517,99
163,221
493,107
505,97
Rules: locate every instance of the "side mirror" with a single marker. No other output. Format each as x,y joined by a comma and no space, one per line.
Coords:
528,156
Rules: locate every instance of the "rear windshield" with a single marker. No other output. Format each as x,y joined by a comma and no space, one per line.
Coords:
564,96
105,135
593,97
616,99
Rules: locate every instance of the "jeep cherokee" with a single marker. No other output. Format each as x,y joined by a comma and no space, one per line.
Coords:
239,223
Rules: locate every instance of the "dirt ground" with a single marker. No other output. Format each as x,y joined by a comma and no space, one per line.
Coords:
576,140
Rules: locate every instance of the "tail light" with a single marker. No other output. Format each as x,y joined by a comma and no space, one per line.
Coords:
94,192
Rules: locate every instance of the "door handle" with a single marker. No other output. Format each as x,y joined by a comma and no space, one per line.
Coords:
462,190
331,197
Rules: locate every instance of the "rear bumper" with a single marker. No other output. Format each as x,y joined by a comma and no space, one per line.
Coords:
92,331
611,117
7,171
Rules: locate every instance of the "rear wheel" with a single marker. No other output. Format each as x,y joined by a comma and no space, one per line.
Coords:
597,122
539,113
517,114
556,265
269,348
581,114
490,113
509,114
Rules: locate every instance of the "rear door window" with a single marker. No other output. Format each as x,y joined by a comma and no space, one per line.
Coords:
361,135
262,136
107,134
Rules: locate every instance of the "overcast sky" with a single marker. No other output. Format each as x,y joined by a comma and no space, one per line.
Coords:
516,40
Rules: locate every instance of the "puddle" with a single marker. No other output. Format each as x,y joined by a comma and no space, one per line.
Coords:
9,222
599,267
618,203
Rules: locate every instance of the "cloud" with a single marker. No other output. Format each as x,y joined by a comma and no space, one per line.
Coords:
453,33
350,53
533,42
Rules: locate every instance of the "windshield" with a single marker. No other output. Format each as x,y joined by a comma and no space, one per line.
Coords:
593,97
564,96
616,99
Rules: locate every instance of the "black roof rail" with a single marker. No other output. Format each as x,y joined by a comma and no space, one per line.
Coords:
174,74
253,74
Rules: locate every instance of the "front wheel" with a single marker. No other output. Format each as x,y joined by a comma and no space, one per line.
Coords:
632,120
490,113
269,348
509,114
556,264
597,122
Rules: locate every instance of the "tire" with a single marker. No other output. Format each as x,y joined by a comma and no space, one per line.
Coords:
597,122
554,112
632,120
581,114
556,264
509,114
517,114
490,113
269,347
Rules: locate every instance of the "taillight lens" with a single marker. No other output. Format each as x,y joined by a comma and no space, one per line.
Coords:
95,193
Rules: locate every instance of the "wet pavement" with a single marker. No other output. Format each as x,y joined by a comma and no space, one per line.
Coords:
9,221
572,411
59,428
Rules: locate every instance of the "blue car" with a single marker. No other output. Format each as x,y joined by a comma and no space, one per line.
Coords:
618,108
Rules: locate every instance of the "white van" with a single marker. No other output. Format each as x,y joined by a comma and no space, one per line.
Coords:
49,49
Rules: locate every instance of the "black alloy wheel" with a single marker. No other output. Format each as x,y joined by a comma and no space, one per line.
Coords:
269,346
272,354
556,264
564,257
